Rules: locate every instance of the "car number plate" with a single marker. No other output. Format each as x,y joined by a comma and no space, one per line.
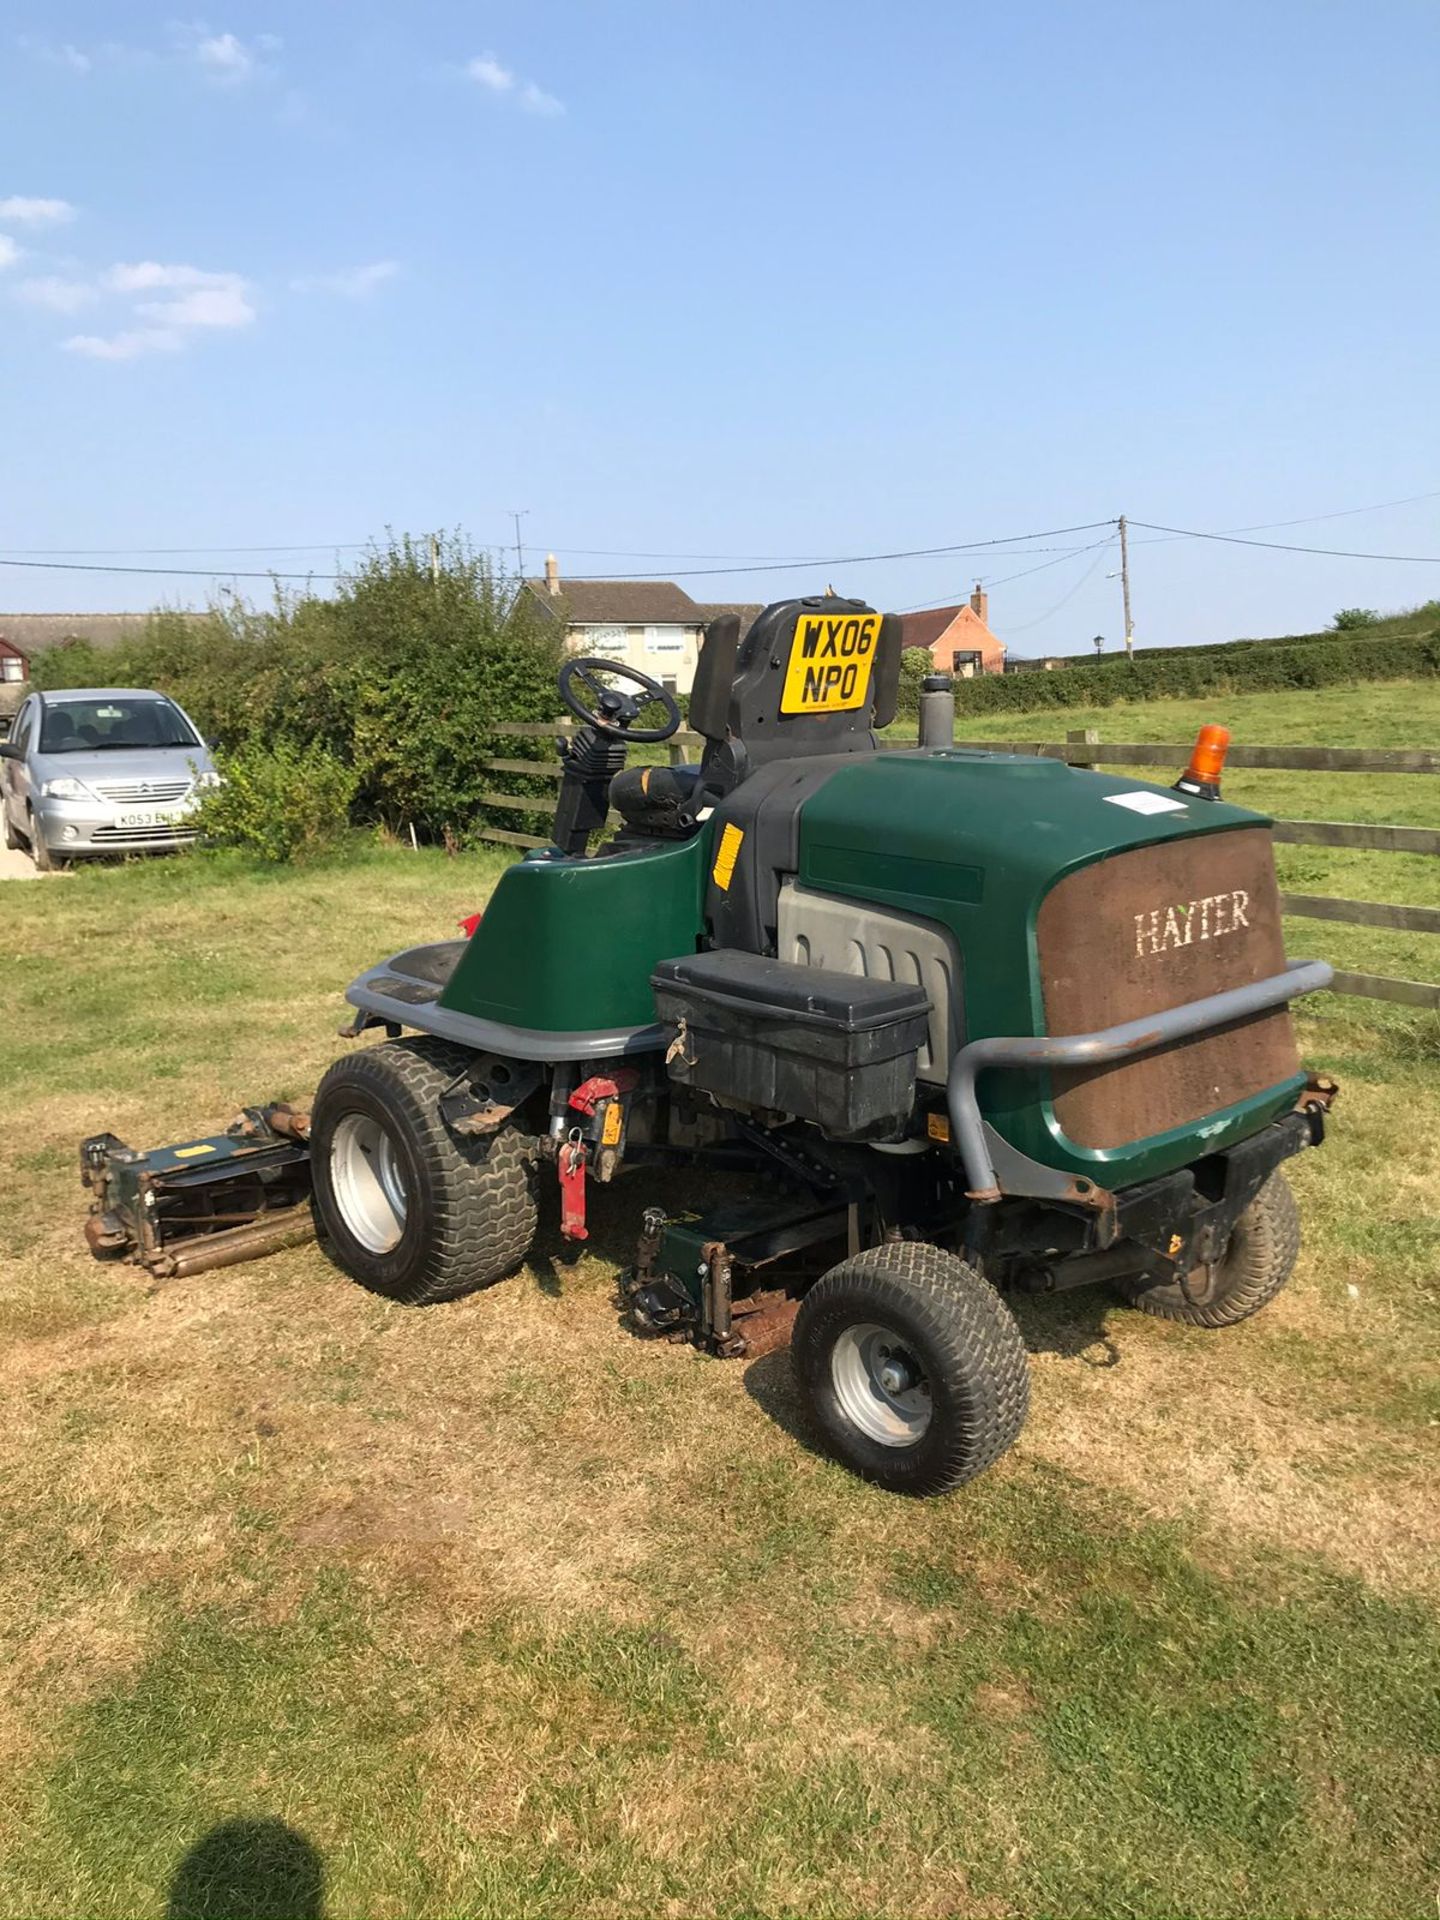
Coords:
830,660
152,817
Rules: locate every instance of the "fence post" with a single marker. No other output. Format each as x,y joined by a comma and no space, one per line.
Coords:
1085,737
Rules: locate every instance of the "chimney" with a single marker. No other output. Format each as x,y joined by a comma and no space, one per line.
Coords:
980,604
552,576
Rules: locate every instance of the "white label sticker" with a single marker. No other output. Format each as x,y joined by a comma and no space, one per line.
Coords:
1146,802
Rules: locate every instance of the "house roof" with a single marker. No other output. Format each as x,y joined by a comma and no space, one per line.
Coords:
623,603
619,602
925,628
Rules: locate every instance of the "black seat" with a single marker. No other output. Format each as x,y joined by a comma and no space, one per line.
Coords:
655,800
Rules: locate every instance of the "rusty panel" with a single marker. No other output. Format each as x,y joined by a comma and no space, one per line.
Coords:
1152,929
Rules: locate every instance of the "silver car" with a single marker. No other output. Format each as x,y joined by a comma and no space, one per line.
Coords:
96,770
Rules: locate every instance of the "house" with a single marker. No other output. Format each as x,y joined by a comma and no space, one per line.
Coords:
14,681
651,625
958,639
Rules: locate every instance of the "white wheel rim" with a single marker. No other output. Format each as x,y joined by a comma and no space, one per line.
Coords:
367,1182
880,1385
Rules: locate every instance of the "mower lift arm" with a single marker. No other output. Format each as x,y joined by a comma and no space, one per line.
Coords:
1098,1049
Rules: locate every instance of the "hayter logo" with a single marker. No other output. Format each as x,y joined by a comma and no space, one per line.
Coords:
1182,925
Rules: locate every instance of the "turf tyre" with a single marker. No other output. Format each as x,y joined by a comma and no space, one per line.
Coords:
471,1210
1259,1260
961,1334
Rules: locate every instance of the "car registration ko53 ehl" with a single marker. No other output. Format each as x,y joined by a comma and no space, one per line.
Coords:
829,666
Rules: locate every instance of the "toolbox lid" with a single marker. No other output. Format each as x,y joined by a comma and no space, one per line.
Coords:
850,1002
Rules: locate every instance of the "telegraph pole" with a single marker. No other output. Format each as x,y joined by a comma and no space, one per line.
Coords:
517,514
435,559
1125,589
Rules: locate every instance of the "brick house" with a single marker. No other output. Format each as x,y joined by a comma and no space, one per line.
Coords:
958,639
652,625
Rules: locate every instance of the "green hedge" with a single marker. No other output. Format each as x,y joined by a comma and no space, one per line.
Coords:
1179,676
399,677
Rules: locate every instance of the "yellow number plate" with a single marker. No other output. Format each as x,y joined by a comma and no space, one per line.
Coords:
830,660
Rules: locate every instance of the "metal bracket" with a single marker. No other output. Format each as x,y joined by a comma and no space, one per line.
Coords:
1125,1041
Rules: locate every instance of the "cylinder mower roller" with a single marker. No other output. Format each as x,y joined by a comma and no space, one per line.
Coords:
970,1023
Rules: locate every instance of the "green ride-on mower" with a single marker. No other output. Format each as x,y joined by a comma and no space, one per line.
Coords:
967,1022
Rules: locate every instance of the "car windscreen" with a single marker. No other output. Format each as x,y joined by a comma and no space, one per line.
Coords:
94,726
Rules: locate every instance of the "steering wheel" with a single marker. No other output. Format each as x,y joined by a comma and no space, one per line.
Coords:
613,711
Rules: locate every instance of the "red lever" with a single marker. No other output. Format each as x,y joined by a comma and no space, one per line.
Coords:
588,1095
570,1164
471,921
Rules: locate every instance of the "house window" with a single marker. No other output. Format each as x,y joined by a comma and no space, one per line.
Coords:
664,639
11,668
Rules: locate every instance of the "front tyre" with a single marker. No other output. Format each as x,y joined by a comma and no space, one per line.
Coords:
405,1206
911,1368
1264,1245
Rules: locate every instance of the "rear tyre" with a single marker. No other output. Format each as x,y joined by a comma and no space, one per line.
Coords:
1258,1261
405,1206
911,1368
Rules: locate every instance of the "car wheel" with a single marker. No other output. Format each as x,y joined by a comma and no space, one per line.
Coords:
405,1206
911,1368
1264,1246
45,860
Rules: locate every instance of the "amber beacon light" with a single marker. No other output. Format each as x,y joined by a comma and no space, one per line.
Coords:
1207,763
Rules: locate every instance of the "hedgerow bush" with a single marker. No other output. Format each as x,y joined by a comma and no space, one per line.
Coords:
1158,677
281,802
399,676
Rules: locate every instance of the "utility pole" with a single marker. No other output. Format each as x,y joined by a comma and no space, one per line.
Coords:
435,559
517,514
1125,589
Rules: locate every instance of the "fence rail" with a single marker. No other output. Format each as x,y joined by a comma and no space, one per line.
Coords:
1087,750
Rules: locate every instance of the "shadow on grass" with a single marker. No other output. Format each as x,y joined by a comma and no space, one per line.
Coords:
249,1870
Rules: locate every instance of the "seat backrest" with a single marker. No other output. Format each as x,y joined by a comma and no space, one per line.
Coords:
813,676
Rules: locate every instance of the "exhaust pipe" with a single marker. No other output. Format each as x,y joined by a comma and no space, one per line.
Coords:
937,711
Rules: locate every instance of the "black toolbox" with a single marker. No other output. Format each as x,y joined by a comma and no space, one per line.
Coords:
834,1048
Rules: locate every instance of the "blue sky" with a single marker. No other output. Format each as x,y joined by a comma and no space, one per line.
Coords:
757,280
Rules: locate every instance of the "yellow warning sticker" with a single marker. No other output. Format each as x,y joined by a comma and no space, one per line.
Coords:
725,859
937,1126
190,1153
829,666
611,1125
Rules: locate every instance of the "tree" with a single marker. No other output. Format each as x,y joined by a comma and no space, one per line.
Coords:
1351,619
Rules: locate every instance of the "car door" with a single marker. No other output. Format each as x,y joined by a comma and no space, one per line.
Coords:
15,774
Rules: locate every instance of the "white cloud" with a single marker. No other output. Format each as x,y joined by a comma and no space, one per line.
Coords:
55,294
535,100
128,345
201,301
225,58
205,307
488,72
357,283
9,252
35,213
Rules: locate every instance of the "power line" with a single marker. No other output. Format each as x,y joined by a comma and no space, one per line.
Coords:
1282,546
988,582
1310,519
849,560
1065,599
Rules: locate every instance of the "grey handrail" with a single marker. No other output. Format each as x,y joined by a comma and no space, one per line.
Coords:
1097,1049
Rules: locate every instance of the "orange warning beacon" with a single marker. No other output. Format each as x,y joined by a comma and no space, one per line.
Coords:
1207,762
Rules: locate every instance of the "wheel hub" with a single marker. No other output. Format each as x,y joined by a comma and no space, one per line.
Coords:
881,1385
368,1182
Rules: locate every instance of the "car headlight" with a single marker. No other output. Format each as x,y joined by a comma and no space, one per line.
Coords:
207,782
66,789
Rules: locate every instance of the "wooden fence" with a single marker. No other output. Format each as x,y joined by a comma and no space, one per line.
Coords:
1086,750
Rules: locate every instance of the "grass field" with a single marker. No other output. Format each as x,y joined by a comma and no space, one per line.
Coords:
509,1614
